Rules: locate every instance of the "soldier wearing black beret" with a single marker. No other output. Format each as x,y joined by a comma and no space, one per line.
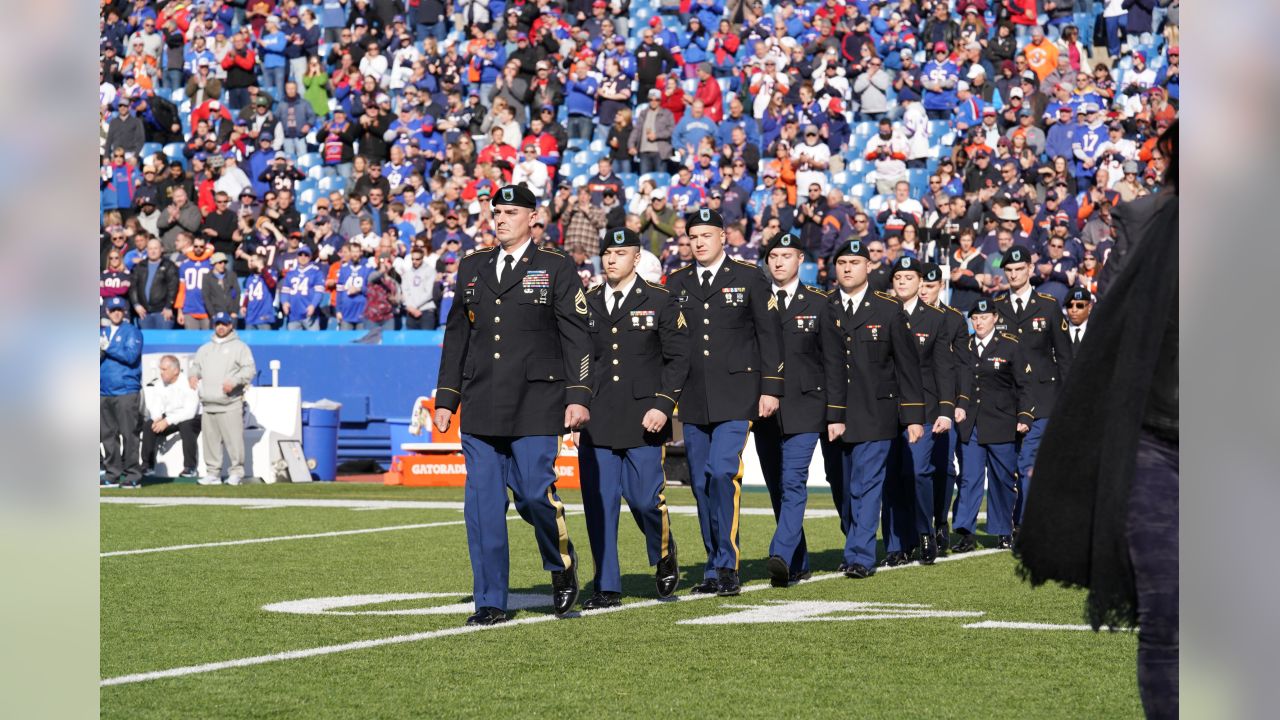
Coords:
873,393
735,377
908,507
641,359
785,441
945,474
1037,320
517,354
996,393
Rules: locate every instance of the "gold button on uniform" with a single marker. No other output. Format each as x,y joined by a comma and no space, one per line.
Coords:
706,321
497,355
706,337
615,346
497,319
497,301
615,361
706,352
615,378
496,338
615,331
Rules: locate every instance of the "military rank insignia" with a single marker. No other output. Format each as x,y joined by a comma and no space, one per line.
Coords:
680,321
773,302
644,319
580,302
807,323
735,296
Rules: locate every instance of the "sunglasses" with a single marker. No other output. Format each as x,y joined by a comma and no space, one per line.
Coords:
1078,305
874,251
1055,245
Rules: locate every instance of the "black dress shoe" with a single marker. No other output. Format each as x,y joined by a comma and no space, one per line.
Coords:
893,559
928,549
729,583
487,616
857,572
667,576
708,586
564,585
798,576
842,566
1005,543
603,600
779,571
942,540
965,544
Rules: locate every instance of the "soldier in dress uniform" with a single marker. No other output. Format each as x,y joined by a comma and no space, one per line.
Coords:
873,391
945,467
641,359
785,441
1037,320
996,393
735,377
517,353
907,517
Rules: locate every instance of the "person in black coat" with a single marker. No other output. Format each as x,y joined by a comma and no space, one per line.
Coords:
873,392
153,302
907,515
996,395
641,359
735,377
160,120
945,474
786,440
517,352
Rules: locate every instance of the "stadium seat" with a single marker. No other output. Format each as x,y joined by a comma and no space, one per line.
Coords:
309,160
315,172
307,197
308,184
331,183
875,204
596,146
174,152
149,149
840,178
177,96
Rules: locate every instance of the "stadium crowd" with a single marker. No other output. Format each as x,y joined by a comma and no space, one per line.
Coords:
327,166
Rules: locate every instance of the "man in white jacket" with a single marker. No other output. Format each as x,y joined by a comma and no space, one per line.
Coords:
172,407
221,372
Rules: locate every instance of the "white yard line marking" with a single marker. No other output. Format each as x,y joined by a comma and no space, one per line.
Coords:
1002,625
263,503
463,630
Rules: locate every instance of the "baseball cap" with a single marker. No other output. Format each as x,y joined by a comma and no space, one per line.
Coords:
1029,76
939,46
304,250
223,318
962,85
116,303
217,258
655,94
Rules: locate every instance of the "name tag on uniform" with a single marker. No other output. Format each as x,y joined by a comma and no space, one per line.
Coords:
644,319
806,323
683,297
734,296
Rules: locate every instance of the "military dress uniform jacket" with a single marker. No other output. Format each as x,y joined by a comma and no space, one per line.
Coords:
516,351
957,333
735,342
996,390
641,361
802,408
873,376
932,339
1041,329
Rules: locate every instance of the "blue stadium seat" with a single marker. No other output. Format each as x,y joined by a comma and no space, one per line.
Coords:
306,162
840,178
315,172
596,146
149,149
307,198
177,96
174,152
329,184
864,129
308,184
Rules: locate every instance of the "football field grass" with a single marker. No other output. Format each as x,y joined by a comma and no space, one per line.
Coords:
209,621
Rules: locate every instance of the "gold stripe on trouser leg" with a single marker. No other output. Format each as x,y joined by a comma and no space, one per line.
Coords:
561,527
737,501
662,507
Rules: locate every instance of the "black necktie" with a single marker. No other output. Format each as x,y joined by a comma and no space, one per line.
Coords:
617,302
506,266
706,279
848,306
981,346
782,299
1017,303
1076,341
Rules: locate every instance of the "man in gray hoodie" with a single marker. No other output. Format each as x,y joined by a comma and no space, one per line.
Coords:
221,372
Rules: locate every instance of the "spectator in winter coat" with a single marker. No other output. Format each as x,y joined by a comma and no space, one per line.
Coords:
220,287
126,131
221,372
119,384
153,288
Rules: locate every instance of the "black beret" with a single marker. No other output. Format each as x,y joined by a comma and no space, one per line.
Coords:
517,195
621,237
852,247
703,216
932,273
1016,254
790,239
1077,294
907,264
984,305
